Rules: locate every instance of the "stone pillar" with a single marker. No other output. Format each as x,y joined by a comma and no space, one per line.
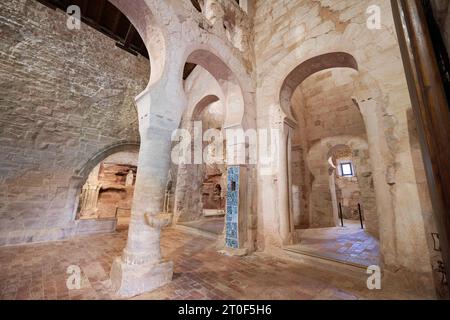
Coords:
239,164
381,159
141,268
403,242
332,180
232,238
284,180
237,210
188,195
367,189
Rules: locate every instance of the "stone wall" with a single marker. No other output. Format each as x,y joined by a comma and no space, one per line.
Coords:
65,96
348,195
328,107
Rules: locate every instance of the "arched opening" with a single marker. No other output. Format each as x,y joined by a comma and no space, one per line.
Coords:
203,204
106,188
310,67
109,189
234,98
206,212
329,164
203,104
345,186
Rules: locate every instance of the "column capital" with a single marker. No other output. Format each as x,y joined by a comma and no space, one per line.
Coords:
160,109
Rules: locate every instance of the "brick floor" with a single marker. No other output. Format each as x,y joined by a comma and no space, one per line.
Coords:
349,244
39,272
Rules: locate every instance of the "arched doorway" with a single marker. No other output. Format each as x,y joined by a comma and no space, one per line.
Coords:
109,189
160,109
208,196
330,174
202,205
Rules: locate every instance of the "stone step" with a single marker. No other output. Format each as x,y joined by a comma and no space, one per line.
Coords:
351,269
195,231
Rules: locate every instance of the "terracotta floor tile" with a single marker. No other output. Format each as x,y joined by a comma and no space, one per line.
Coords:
39,272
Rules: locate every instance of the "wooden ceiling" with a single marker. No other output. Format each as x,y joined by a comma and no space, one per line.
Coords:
106,18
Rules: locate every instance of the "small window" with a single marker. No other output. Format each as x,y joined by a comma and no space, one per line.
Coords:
347,169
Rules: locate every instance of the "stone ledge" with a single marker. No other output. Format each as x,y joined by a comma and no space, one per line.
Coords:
75,228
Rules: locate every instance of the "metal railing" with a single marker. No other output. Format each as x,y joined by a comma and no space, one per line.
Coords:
341,215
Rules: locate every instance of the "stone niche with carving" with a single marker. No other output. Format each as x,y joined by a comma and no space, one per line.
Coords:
117,188
214,190
108,191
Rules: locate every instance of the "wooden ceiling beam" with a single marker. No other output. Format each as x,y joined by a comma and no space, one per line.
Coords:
84,8
116,22
93,16
101,10
130,35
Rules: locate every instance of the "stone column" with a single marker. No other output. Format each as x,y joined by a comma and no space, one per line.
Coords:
141,268
237,211
403,242
332,180
368,197
188,195
239,164
284,181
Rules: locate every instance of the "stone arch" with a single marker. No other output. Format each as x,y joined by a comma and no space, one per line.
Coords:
272,80
289,80
334,151
201,89
80,176
273,100
308,68
84,171
190,177
202,104
372,96
322,211
339,148
234,97
237,94
363,173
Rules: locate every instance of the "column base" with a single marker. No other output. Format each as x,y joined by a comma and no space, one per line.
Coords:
130,280
241,252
